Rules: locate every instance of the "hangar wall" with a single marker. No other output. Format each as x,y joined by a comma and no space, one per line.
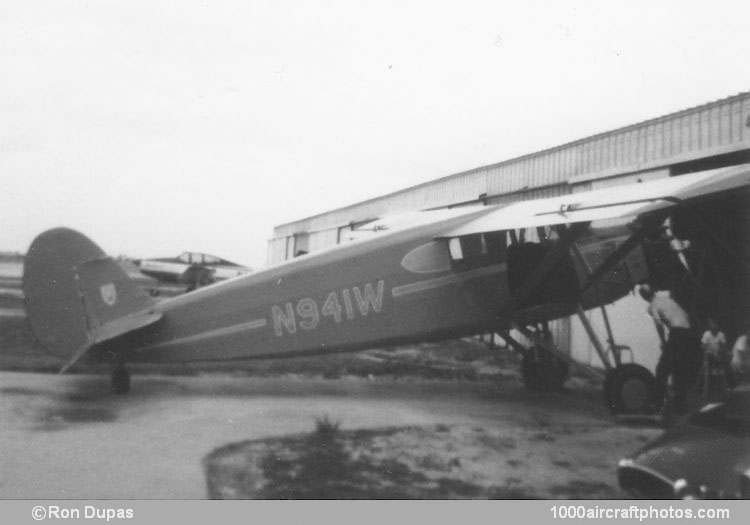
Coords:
708,136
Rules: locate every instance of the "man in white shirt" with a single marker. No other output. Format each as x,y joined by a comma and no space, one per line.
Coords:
714,341
714,344
681,354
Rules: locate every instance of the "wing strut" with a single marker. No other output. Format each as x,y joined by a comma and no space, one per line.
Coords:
608,326
598,346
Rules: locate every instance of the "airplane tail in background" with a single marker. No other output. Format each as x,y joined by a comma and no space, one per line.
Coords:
76,296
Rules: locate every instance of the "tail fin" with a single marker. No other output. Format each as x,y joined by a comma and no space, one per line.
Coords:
76,296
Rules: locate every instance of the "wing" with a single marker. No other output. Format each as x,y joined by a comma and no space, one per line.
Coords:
623,201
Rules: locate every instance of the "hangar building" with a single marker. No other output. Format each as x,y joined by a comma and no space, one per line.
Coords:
708,136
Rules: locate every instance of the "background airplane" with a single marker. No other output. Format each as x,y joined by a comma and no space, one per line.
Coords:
455,275
192,268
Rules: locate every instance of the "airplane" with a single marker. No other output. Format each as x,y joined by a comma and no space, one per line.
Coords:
453,273
183,268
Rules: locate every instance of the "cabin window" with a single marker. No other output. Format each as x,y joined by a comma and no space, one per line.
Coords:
481,249
454,245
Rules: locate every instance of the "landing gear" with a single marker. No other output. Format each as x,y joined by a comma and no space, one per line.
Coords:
542,365
629,389
541,370
120,381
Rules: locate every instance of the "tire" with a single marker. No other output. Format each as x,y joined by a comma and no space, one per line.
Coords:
629,389
530,371
542,370
120,381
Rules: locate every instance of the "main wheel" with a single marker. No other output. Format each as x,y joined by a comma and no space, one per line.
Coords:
530,371
629,389
542,370
120,381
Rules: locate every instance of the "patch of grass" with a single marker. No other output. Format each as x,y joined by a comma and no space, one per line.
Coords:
321,470
329,463
320,465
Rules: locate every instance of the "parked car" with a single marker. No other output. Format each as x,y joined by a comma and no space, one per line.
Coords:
706,455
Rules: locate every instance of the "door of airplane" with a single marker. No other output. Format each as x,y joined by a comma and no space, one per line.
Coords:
526,251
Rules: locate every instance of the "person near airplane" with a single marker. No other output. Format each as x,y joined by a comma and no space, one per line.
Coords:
681,354
716,353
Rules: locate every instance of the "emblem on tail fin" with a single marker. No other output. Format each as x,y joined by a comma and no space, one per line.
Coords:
108,293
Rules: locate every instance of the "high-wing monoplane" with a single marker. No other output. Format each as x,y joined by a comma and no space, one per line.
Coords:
505,269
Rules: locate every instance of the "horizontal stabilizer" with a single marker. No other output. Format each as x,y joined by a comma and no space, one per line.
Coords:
113,329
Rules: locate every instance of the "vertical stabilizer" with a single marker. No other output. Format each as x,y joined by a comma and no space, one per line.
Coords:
76,296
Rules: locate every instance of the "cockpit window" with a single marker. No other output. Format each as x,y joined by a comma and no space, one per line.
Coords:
196,258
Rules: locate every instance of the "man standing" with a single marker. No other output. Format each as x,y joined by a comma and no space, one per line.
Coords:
681,351
715,352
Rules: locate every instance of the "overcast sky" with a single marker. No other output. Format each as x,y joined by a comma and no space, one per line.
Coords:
161,126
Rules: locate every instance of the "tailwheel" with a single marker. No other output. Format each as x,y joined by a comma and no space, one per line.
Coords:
629,389
120,381
542,370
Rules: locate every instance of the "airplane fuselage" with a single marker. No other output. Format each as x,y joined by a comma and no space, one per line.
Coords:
403,287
